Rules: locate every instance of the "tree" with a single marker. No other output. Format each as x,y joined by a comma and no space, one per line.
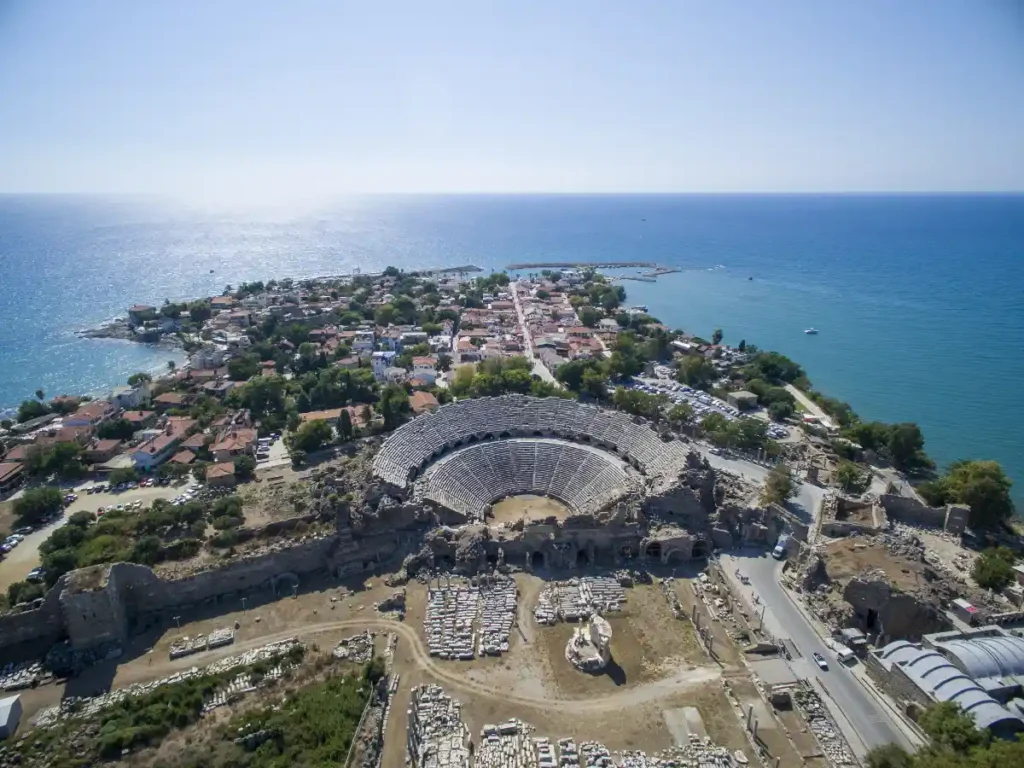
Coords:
589,316
116,429
312,436
680,415
123,475
742,346
848,475
24,592
31,409
139,378
984,487
981,485
774,367
949,727
243,367
780,410
888,756
906,446
171,365
993,568
779,486
393,405
716,337
245,467
344,425
298,458
695,371
36,504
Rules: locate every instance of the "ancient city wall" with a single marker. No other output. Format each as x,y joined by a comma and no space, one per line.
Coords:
42,626
952,518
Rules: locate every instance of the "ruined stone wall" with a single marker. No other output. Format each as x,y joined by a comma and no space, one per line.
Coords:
894,683
952,518
36,629
95,616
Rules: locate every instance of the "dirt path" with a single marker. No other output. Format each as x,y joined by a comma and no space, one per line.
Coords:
680,679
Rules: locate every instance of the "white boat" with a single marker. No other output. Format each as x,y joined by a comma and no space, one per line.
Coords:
811,331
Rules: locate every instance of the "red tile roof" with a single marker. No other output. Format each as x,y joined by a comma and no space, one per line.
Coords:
422,402
223,469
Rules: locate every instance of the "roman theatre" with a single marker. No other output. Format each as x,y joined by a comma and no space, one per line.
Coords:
550,482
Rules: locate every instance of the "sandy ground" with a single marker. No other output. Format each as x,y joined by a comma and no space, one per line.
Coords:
848,557
658,668
25,556
529,507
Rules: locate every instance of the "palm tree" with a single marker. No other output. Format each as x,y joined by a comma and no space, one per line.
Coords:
171,365
40,394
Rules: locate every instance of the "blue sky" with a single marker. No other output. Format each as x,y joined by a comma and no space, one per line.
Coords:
230,98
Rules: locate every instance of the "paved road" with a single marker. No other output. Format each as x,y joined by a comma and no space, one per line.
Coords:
873,724
804,505
539,369
812,407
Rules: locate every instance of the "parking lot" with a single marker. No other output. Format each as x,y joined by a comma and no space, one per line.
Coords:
273,455
25,556
702,403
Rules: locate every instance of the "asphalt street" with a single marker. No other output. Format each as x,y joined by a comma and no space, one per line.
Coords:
873,724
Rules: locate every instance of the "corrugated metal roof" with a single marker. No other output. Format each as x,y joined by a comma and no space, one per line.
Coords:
937,677
998,656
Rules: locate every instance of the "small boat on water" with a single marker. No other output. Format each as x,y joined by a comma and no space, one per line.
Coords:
811,331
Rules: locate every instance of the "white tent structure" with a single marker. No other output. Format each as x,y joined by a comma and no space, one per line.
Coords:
10,716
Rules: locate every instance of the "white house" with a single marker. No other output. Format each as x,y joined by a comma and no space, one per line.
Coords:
208,357
155,451
131,398
380,362
363,341
423,368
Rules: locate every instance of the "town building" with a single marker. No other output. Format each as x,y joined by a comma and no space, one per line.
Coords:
12,474
221,475
380,362
742,399
130,397
155,451
422,402
91,414
101,451
233,444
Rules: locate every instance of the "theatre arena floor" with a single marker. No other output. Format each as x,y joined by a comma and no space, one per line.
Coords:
527,505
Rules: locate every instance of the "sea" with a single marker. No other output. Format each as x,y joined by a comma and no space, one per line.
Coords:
918,300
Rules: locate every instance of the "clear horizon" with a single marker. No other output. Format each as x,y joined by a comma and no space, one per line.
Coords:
256,102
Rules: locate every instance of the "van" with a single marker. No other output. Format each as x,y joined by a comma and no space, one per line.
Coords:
779,553
843,654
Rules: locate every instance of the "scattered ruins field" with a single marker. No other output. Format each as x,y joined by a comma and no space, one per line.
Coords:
848,557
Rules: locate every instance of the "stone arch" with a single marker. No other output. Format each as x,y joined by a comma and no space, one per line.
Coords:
537,560
700,548
583,558
505,435
287,580
653,550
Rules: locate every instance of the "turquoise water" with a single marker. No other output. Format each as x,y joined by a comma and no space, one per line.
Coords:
918,299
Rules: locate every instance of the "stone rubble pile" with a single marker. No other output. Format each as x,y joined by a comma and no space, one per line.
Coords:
89,706
186,646
241,685
579,598
824,728
451,614
464,620
357,649
16,677
498,614
506,746
437,736
393,603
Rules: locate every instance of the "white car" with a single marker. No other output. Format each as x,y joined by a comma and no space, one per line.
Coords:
820,660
